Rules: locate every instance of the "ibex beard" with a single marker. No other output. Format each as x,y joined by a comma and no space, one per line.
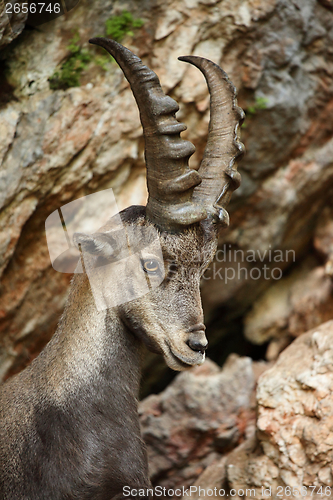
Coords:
69,426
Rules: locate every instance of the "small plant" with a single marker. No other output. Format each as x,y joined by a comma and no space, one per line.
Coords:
71,69
119,26
260,103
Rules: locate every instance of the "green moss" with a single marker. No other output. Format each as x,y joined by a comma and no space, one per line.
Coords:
68,75
118,26
260,103
71,69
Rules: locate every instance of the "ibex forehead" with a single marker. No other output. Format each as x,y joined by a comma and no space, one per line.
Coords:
197,241
198,238
193,244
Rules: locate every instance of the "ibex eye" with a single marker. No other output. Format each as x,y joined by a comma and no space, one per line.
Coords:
150,266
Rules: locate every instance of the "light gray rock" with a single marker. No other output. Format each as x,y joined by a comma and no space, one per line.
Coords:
293,444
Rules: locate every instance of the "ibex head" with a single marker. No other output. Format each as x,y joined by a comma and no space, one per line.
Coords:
185,209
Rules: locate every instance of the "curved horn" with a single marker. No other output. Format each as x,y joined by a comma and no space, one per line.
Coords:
218,168
169,178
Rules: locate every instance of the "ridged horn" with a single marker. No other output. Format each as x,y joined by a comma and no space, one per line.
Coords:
169,178
218,168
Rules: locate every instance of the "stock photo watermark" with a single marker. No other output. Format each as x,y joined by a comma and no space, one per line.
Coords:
236,264
198,491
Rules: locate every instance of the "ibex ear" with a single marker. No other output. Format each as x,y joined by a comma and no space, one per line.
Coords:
100,244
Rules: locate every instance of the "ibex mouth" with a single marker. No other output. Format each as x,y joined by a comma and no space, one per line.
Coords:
180,362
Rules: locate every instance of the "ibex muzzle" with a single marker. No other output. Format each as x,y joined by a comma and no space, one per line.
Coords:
69,427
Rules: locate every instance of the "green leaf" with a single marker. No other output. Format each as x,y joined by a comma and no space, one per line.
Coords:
118,26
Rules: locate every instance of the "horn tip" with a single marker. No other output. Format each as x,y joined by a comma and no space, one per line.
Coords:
106,43
184,58
94,40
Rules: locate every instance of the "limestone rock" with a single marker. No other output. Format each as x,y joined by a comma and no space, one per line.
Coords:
202,414
323,238
294,444
295,304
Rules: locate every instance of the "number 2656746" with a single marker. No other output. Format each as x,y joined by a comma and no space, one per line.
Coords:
32,8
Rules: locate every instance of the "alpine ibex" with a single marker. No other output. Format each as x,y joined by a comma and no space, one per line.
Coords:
68,423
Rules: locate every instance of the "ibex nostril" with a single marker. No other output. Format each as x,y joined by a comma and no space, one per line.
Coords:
195,345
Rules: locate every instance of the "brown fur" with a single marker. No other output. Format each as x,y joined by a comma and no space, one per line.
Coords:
69,427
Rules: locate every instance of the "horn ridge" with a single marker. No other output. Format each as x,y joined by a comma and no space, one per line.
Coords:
218,168
170,180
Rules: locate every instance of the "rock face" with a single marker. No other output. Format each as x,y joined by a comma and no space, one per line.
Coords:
294,427
290,452
200,416
323,241
207,419
296,410
291,306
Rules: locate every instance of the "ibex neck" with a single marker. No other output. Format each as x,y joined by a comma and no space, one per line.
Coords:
91,348
73,411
